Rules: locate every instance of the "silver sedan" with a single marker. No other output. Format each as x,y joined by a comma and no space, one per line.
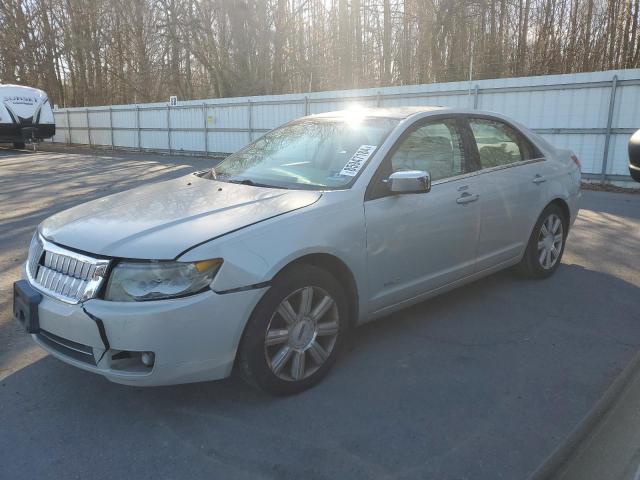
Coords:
268,260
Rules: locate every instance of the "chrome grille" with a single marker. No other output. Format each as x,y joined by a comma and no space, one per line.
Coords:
36,250
67,275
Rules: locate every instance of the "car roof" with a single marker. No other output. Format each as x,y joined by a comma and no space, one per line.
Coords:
401,113
391,112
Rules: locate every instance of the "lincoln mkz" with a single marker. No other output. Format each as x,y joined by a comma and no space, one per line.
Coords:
265,264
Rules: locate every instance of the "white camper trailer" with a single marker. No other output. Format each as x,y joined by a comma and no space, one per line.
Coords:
25,115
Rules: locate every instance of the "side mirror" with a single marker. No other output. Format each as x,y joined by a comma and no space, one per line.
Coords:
410,181
634,156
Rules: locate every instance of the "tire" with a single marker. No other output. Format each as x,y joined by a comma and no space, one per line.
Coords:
18,145
635,174
302,346
534,264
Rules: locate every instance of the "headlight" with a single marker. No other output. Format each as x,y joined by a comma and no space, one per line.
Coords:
139,281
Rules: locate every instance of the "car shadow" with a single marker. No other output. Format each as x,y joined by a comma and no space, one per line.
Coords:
482,382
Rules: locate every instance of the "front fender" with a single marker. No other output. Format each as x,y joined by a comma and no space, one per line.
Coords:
254,255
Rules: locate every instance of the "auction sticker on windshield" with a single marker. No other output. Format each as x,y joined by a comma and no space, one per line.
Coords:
358,159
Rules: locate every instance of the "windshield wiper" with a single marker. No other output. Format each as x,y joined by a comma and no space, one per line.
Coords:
248,181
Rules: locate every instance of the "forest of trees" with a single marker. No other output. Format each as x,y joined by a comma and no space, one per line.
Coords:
96,52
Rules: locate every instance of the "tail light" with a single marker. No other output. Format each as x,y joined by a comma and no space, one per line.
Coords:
576,160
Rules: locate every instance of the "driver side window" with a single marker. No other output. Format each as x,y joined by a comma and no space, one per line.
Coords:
435,147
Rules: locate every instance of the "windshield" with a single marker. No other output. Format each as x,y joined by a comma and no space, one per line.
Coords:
308,154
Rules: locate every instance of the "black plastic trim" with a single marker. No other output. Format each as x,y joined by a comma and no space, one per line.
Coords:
68,348
101,331
33,298
255,286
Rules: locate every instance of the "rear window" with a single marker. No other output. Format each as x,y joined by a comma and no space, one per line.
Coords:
500,144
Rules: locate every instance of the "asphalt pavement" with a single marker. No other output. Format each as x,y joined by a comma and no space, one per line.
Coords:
484,382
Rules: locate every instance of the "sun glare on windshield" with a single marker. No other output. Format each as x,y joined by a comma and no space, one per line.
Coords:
321,153
354,115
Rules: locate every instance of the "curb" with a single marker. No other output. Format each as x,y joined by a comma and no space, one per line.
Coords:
555,462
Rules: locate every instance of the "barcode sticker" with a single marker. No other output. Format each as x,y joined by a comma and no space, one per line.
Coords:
358,159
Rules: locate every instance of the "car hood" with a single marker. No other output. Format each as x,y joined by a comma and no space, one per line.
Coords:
162,220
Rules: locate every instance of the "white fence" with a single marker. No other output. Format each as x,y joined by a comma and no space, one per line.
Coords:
593,114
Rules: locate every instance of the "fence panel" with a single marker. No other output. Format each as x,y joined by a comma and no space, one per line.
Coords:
593,114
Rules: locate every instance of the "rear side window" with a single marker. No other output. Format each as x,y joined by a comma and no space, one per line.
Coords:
499,144
435,148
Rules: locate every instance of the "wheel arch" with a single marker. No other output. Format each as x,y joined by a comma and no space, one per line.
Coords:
564,207
336,267
330,263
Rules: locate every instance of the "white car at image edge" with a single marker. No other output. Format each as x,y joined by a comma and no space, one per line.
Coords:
267,261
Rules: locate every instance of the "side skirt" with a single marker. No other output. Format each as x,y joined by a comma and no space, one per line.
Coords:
445,288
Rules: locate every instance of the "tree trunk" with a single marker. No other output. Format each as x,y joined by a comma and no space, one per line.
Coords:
386,44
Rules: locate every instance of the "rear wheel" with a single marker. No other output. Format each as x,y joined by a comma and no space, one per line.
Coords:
18,145
295,332
546,245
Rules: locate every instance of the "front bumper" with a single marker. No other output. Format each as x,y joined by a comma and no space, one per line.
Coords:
193,338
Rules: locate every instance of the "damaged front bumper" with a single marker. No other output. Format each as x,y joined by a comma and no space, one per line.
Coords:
191,339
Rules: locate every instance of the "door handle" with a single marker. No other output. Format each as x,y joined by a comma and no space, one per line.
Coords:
538,179
466,197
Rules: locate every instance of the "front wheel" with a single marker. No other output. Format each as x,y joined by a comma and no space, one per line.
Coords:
295,332
546,245
18,145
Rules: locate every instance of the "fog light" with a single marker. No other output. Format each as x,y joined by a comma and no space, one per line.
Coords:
148,358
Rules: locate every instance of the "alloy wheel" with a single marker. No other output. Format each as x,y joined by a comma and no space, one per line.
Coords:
550,241
302,333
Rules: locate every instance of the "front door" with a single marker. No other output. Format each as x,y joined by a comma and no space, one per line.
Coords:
419,242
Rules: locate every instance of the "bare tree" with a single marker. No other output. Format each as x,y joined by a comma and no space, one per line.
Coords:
89,52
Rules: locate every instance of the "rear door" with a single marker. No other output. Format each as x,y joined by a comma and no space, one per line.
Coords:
512,182
421,241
